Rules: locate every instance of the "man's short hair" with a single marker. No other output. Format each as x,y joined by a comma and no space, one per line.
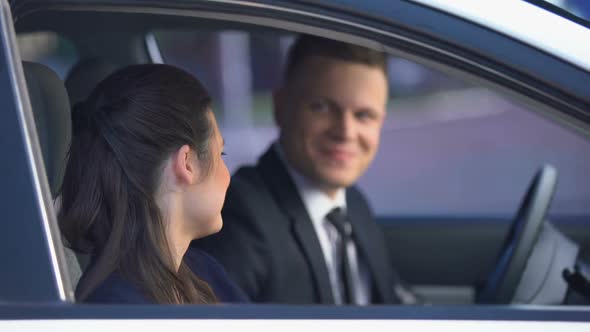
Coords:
306,46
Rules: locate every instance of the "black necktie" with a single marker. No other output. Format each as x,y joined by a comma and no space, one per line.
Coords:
342,225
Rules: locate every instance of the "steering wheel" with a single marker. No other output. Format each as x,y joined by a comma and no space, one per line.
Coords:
500,286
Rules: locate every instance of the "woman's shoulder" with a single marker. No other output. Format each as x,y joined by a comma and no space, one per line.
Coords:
207,268
201,258
115,289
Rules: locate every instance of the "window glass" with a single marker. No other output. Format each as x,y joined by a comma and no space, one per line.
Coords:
48,48
448,147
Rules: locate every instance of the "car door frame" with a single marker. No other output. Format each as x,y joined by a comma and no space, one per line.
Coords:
29,234
41,272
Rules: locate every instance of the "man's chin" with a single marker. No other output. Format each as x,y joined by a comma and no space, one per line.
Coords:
338,182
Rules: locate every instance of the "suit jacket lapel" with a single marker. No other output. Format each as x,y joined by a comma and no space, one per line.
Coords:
278,179
368,250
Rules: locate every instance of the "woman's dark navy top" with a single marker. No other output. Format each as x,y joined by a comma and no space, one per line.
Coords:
115,289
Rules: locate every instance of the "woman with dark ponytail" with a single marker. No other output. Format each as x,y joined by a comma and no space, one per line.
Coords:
144,177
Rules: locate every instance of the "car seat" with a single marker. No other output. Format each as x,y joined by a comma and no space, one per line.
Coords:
51,111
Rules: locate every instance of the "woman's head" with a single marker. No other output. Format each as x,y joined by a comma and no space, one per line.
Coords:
144,166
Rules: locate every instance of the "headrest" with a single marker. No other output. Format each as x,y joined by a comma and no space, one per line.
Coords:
51,110
85,76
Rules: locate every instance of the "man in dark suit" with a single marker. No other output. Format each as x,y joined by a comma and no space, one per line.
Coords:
296,229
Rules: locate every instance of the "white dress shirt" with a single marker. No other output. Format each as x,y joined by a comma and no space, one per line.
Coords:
318,205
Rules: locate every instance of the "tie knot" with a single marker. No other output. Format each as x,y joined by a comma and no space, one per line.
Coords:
340,221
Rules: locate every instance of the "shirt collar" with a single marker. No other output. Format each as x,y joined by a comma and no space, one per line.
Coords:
317,203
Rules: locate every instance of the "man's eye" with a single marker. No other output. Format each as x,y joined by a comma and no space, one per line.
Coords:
318,106
364,115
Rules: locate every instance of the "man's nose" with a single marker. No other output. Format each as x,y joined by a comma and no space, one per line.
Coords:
344,125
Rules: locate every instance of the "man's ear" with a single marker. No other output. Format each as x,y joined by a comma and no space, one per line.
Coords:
185,166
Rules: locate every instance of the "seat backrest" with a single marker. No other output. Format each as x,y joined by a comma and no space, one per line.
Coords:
51,110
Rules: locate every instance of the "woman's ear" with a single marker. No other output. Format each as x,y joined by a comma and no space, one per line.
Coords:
185,165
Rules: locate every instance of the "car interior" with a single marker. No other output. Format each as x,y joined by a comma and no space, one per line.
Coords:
449,233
